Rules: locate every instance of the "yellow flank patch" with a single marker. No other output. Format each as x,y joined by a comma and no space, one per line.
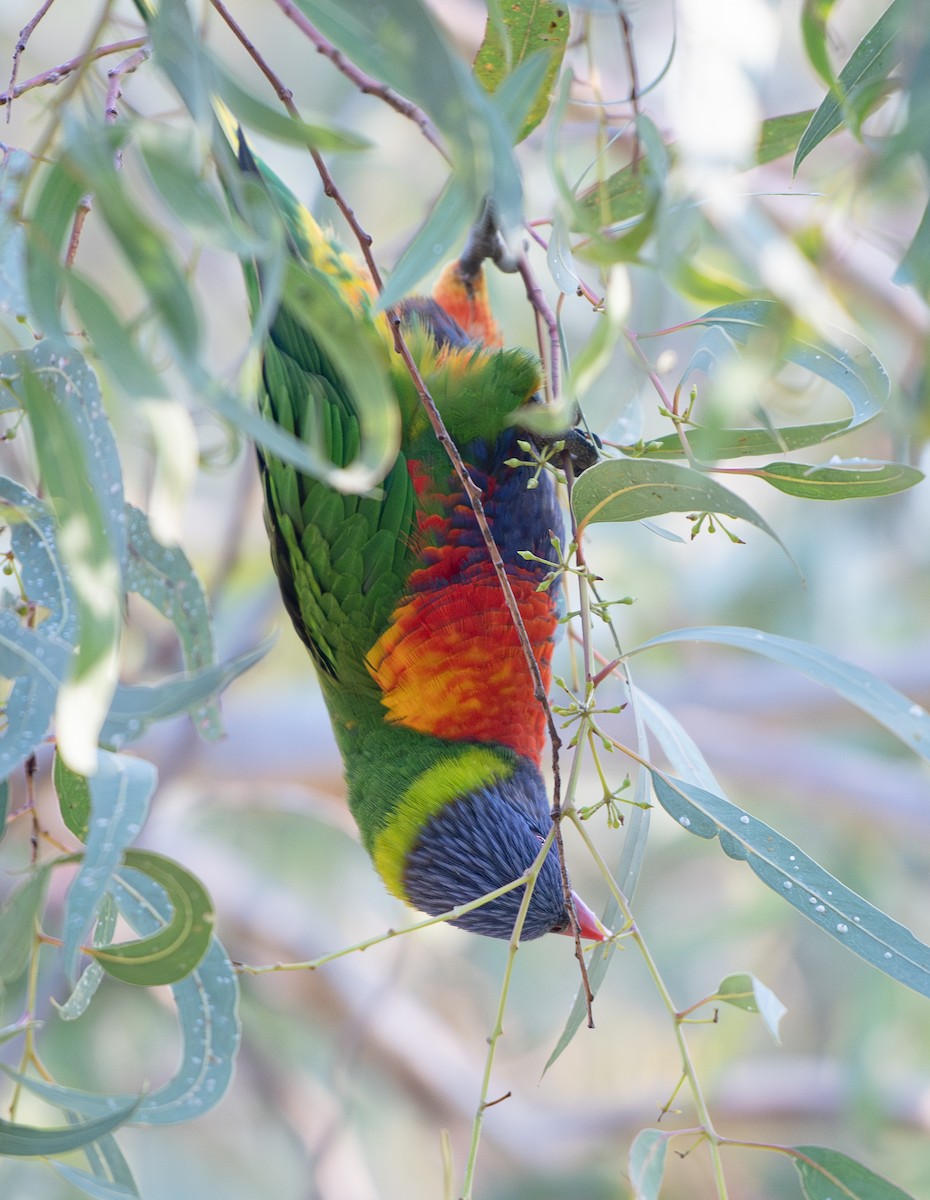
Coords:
427,795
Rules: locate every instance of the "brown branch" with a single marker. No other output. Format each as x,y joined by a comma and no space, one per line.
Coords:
110,113
24,35
544,313
56,74
366,84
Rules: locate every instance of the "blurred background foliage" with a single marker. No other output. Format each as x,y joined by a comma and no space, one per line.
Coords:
347,1075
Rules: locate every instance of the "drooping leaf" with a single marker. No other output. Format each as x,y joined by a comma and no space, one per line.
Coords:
119,791
624,195
206,1003
870,64
529,27
829,1175
93,974
852,367
163,576
172,952
647,1163
750,994
909,722
73,792
630,489
92,1185
814,17
62,401
36,664
112,340
136,706
798,879
27,1141
33,539
17,925
854,481
709,445
14,166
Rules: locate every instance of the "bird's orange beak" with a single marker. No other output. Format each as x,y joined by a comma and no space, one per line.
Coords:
588,924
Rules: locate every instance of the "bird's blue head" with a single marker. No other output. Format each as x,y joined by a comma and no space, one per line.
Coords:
482,841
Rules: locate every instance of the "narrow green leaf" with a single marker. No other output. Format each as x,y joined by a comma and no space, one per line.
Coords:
799,880
14,167
26,1141
828,1175
647,1163
206,1003
93,1185
814,17
909,722
914,268
709,445
112,341
51,219
136,707
443,230
624,194
870,63
120,791
283,128
37,664
852,368
173,952
163,576
630,489
750,994
73,798
86,546
33,539
93,974
17,925
530,27
843,482
107,1162
9,1032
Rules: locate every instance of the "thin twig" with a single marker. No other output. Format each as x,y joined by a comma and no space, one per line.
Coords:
544,313
365,83
56,74
24,35
110,113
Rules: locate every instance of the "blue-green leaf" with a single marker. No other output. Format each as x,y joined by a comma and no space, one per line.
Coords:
163,576
829,1175
908,721
750,994
36,664
92,976
852,367
870,63
631,489
120,791
136,706
93,1185
33,538
17,925
647,1162
172,951
798,879
31,1142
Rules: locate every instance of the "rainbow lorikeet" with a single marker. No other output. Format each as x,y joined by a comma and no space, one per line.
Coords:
394,595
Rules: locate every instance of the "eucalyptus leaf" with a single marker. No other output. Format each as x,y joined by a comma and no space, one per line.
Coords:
163,576
17,925
36,664
799,880
829,1175
93,1185
852,367
93,974
120,791
33,539
750,994
172,952
630,489
27,1141
136,706
909,722
647,1162
871,62
855,481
